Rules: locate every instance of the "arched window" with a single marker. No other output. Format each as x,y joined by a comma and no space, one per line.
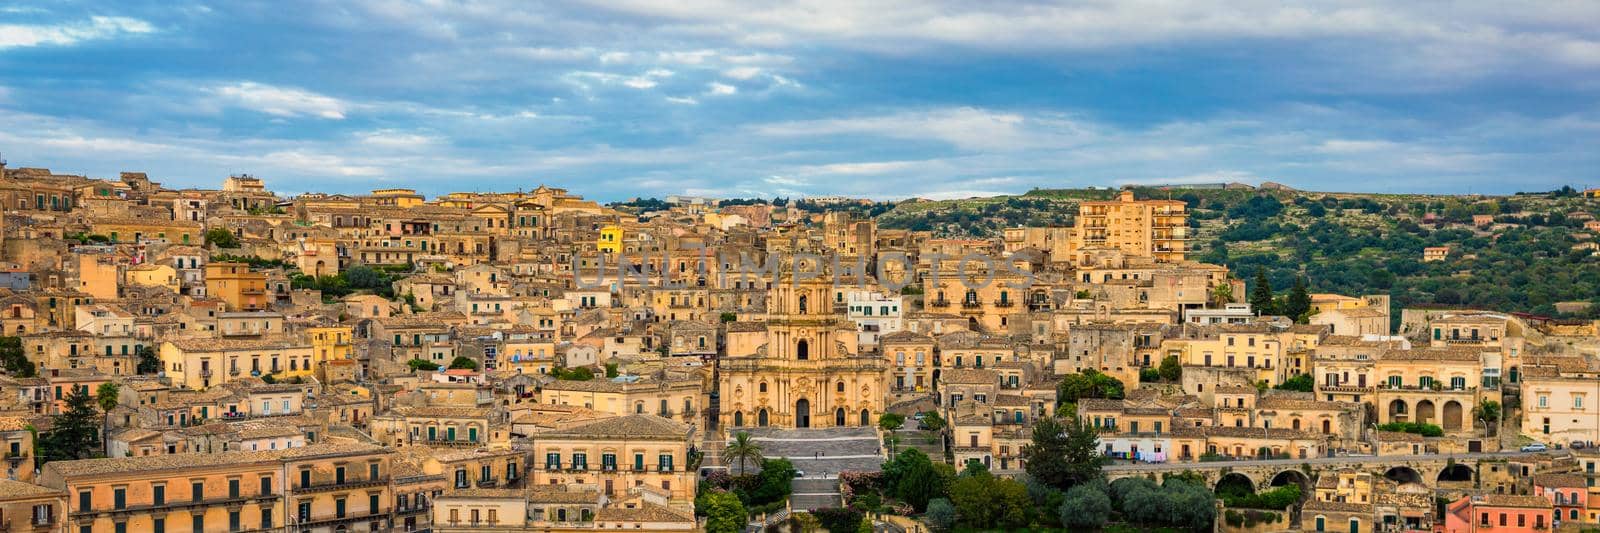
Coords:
802,304
762,387
839,387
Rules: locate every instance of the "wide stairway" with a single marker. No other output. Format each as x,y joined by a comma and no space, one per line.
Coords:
820,454
815,493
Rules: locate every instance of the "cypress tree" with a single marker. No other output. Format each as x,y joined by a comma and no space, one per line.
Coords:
1261,294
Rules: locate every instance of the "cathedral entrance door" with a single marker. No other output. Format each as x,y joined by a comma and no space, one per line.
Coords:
838,417
802,413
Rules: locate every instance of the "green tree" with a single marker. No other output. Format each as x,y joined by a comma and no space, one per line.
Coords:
422,364
363,277
1297,382
221,238
1085,507
1299,303
724,513
611,370
462,361
1261,293
1067,411
13,359
729,317
891,422
106,395
1488,411
941,514
932,421
1222,294
741,450
1089,384
1063,455
985,502
1171,369
805,522
148,362
75,433
913,478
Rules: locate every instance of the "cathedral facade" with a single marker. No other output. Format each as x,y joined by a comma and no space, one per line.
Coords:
810,373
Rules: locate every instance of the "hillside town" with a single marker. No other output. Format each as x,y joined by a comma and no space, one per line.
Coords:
233,359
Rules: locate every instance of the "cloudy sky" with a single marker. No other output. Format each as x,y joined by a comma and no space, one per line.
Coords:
886,99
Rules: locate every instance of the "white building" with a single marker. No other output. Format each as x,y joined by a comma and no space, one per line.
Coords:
1229,314
874,315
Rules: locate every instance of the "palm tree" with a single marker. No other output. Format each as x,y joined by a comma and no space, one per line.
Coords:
1222,294
743,448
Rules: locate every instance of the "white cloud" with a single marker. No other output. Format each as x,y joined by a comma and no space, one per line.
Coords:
682,100
648,80
785,181
964,127
281,101
1349,146
1409,40
720,89
396,139
96,28
863,168
742,73
1219,176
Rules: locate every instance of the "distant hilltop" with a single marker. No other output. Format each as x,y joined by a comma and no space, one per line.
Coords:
1233,185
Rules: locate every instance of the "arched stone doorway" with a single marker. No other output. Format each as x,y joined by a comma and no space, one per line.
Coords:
1426,412
1403,475
1455,472
1451,419
838,417
738,419
1234,483
802,413
761,418
866,418
1398,411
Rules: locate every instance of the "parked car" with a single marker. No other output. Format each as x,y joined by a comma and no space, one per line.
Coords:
1578,445
1535,447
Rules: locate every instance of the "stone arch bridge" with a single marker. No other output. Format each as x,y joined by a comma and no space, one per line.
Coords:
1432,471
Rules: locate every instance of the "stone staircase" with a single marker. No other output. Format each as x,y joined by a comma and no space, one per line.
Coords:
815,493
713,446
929,442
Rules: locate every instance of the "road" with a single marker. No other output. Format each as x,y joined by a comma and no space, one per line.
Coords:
1460,458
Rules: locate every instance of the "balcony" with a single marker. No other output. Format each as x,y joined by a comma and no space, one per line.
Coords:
487,483
347,484
1436,387
971,304
1004,303
205,372
1348,389
172,506
310,522
939,303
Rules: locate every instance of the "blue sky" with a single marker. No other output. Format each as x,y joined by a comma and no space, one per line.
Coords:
890,99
